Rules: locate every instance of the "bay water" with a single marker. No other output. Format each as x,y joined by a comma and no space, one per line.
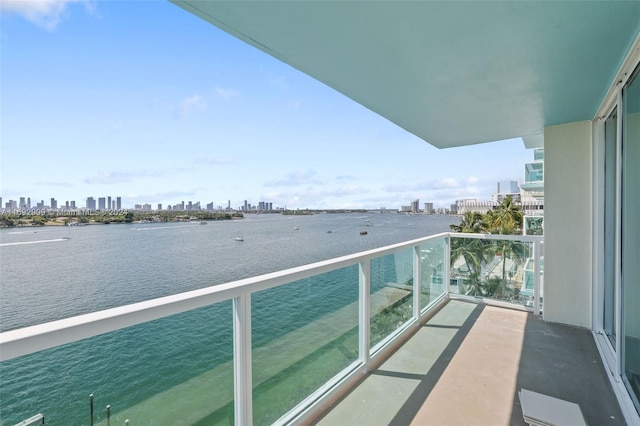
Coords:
174,370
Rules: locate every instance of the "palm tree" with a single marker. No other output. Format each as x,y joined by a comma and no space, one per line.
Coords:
474,252
514,250
505,218
470,223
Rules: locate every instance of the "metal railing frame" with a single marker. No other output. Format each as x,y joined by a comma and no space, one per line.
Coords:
32,339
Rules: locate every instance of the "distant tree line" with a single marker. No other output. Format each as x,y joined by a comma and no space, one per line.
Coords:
130,216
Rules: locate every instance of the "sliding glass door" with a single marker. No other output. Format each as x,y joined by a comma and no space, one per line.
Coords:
630,237
610,232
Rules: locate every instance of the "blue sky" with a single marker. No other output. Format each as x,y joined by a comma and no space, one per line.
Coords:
143,100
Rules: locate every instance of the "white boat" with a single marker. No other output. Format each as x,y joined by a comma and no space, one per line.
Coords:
240,238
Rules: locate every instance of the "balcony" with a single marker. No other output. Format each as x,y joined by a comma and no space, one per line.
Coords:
534,179
413,328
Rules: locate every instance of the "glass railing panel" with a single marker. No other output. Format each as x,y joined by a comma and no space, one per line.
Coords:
175,370
538,154
494,269
391,295
432,278
541,301
303,334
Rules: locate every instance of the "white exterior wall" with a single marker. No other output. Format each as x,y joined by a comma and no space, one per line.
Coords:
568,228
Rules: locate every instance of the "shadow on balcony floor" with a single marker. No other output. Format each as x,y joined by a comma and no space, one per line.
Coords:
465,366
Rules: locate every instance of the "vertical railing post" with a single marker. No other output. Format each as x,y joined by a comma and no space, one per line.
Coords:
364,311
417,280
536,275
243,397
447,262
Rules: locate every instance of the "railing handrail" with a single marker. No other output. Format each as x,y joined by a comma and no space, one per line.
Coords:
23,341
523,238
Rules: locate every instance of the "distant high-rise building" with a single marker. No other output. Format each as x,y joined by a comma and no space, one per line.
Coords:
245,208
101,203
90,204
506,188
119,203
29,202
109,202
23,203
210,206
159,206
428,208
40,205
54,203
0,202
146,207
73,205
415,206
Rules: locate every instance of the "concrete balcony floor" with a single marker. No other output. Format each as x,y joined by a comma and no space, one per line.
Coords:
466,365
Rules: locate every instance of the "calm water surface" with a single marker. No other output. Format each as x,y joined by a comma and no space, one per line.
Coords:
66,271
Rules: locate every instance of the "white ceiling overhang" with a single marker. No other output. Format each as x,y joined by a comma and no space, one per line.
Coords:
451,72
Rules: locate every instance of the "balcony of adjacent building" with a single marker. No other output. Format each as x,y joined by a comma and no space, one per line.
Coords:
446,329
534,179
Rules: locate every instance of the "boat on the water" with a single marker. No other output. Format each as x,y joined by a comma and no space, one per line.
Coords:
363,232
239,238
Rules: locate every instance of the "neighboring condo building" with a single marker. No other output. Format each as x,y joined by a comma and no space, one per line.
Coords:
533,192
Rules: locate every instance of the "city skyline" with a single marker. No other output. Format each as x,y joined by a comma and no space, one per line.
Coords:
115,203
89,107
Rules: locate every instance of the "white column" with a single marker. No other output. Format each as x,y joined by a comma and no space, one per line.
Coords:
567,218
417,279
364,309
243,397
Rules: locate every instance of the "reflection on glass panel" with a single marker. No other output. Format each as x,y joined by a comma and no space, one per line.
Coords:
432,258
303,334
175,370
534,225
630,235
541,301
611,125
534,172
391,293
538,154
496,269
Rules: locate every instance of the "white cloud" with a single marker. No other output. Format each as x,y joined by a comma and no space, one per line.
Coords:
225,93
60,184
278,82
187,105
44,13
295,105
214,160
119,176
449,183
300,177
